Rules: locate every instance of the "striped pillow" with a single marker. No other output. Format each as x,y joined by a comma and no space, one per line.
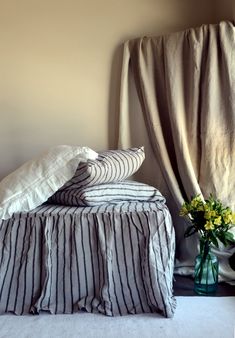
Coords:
110,166
108,193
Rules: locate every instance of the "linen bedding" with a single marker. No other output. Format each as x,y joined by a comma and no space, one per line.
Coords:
114,259
98,243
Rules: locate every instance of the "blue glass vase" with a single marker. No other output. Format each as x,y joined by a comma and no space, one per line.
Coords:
206,270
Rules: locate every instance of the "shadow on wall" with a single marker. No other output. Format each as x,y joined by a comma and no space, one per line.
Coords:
114,95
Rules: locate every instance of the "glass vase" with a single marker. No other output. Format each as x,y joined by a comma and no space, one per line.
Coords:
206,270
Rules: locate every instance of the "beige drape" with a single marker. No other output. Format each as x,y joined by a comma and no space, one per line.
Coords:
178,99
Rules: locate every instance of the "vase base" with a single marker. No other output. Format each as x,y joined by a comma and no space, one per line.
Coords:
202,289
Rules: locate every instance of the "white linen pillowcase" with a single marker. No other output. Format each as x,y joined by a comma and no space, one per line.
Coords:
36,180
108,193
110,166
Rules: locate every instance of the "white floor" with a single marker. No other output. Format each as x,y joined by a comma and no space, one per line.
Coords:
195,317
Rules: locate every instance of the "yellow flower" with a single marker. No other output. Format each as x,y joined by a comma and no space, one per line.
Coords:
207,215
217,221
209,225
227,217
206,207
213,213
183,210
233,218
194,203
200,207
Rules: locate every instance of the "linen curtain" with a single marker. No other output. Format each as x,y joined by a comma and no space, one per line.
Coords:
178,99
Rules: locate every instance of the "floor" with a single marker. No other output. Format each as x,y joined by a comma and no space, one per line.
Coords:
195,317
183,286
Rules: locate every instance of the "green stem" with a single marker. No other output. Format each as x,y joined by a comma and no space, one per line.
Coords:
204,250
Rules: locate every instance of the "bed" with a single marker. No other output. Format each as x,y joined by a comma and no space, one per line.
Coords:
114,257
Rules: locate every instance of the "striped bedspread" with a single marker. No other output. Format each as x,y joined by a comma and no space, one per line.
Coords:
113,259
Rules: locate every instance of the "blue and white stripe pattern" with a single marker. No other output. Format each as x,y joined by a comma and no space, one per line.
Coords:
107,193
113,259
110,166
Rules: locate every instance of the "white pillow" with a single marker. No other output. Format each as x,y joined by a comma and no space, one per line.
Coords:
108,193
110,166
36,180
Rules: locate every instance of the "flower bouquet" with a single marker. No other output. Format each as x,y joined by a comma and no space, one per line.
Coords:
212,221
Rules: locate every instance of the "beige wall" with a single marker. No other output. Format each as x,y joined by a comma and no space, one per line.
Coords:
59,66
233,8
224,9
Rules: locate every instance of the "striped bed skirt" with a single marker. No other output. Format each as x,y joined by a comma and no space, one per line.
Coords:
113,259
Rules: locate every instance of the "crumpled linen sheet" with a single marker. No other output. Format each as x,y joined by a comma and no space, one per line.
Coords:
178,100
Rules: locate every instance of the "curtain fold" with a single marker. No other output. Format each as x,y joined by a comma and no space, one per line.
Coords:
185,85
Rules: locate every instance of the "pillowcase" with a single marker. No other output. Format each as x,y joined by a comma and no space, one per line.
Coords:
110,166
108,193
36,180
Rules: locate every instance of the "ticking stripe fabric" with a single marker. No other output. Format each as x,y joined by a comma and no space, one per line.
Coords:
110,166
107,193
112,259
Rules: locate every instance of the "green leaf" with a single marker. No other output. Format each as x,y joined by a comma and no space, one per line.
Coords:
221,237
226,237
214,239
229,237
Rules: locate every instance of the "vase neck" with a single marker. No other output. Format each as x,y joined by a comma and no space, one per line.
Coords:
204,247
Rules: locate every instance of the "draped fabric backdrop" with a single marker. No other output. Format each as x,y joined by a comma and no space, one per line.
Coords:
178,99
